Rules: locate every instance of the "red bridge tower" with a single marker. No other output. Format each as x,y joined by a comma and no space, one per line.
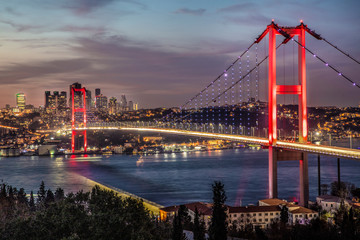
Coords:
81,129
276,154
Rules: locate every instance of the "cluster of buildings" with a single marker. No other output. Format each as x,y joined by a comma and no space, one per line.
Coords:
263,215
60,102
267,211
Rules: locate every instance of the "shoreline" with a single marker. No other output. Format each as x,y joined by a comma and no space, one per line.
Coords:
153,207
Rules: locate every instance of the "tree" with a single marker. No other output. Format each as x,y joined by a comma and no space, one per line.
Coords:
59,194
284,215
218,225
178,231
50,198
324,189
356,192
185,218
41,193
341,190
31,201
199,227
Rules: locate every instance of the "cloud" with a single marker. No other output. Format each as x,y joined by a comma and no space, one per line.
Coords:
195,12
239,7
85,6
85,29
20,27
12,11
22,73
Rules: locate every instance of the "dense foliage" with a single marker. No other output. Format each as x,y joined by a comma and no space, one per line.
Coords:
99,214
218,225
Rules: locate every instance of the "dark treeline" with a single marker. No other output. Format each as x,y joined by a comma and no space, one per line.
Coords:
99,214
102,214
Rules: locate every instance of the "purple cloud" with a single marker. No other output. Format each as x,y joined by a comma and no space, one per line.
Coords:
239,7
195,12
82,7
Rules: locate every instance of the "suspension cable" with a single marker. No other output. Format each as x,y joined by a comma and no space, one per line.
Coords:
346,54
216,79
232,85
327,64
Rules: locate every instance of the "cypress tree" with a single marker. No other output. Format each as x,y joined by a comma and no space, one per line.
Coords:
41,193
284,215
31,201
218,226
199,227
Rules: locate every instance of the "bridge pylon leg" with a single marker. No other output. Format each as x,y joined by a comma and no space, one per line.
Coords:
304,180
278,154
273,193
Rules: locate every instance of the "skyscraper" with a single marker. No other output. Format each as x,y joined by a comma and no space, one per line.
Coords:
112,105
77,97
97,92
101,102
123,103
21,101
62,100
55,101
131,106
88,99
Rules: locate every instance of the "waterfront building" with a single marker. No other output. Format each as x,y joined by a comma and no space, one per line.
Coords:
204,209
261,216
301,215
297,214
332,203
20,101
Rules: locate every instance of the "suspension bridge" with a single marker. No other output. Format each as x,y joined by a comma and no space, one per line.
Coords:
230,108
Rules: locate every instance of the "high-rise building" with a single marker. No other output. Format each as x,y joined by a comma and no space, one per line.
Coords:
123,103
112,105
77,97
21,101
62,100
88,99
101,102
55,101
97,92
131,106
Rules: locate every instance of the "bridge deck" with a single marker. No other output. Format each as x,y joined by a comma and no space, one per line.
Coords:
305,147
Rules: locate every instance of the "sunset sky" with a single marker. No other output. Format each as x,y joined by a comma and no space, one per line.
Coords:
160,53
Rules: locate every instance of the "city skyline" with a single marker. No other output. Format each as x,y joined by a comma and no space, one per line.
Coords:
155,52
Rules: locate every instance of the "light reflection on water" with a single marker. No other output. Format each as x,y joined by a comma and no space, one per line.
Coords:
174,178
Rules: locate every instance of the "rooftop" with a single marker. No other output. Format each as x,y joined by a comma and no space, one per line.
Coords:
248,209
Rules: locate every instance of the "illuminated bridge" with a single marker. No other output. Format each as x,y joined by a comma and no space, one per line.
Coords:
234,107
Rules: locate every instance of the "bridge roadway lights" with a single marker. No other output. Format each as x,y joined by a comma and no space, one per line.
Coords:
279,154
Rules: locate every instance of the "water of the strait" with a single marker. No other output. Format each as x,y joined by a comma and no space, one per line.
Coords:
178,178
